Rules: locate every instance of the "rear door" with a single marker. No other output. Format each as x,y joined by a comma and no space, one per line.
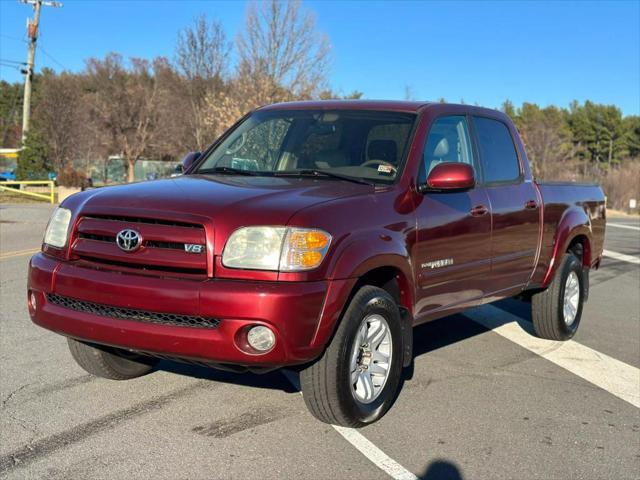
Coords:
515,209
453,247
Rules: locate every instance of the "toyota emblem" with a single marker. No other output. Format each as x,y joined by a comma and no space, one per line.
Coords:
128,240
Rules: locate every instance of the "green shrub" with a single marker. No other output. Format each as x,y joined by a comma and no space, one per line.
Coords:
33,159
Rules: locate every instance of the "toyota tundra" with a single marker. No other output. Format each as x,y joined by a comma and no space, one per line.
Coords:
315,236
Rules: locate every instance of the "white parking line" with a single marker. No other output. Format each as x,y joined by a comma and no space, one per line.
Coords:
621,256
376,456
622,225
614,376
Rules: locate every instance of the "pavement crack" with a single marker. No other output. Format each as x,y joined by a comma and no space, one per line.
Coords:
6,400
48,445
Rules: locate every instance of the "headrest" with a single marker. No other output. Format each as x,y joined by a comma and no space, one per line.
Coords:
383,150
441,149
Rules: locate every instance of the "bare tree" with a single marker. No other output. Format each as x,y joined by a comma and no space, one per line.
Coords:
282,53
202,50
58,117
124,105
202,56
547,138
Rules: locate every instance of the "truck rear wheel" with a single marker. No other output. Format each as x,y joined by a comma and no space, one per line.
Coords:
355,381
109,363
556,311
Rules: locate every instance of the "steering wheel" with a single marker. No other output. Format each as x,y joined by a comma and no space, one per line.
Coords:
233,148
371,163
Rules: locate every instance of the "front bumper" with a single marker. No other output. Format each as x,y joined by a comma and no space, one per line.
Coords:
300,313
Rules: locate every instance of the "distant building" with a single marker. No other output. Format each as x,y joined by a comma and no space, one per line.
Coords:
8,163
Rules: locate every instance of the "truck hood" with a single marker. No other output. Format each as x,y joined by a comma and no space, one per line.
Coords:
224,201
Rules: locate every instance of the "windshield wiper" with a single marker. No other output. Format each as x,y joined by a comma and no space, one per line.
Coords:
228,171
311,172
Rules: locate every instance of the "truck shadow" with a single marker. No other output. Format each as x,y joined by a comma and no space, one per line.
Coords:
609,270
446,331
427,338
272,380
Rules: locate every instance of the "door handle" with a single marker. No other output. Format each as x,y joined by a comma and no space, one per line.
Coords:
531,204
479,210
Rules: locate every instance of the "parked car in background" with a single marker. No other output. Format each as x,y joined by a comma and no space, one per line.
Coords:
315,236
8,176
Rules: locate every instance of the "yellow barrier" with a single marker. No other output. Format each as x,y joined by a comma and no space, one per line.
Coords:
50,196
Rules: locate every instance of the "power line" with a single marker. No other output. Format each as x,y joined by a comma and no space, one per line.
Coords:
10,65
13,38
12,61
51,57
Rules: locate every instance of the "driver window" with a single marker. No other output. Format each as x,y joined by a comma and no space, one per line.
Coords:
448,141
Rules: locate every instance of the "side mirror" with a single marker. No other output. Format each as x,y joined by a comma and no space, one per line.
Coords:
188,160
449,176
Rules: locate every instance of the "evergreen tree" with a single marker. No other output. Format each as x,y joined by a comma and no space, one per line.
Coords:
631,125
33,159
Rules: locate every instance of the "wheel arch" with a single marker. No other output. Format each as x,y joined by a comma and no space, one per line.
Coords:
389,277
573,233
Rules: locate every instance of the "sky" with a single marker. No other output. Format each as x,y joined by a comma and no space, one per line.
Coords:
476,52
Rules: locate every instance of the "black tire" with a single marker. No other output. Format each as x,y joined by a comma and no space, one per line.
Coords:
547,307
109,362
326,384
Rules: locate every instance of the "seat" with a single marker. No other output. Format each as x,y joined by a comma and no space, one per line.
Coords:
436,151
385,150
331,159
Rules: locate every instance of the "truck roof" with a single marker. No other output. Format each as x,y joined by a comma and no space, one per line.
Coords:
391,105
378,105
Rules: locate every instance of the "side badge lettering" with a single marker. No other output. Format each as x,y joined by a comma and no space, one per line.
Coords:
438,263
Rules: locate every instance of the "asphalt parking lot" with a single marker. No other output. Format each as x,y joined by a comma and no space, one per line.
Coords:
486,400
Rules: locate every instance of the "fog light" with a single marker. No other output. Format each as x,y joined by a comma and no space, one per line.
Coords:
261,338
32,301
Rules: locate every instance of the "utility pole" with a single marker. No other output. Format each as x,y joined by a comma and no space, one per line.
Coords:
32,33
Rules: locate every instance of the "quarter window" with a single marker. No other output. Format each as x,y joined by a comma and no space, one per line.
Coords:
497,152
448,141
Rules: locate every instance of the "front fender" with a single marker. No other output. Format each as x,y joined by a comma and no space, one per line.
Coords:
367,251
574,222
363,253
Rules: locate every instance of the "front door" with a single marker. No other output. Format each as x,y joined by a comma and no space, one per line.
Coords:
452,251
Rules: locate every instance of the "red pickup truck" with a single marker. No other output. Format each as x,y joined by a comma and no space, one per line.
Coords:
315,235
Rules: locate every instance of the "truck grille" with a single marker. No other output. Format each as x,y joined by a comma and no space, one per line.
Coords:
163,245
120,313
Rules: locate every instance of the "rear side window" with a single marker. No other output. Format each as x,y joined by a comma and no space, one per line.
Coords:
497,152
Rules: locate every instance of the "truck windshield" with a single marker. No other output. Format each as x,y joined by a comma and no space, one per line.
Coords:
368,146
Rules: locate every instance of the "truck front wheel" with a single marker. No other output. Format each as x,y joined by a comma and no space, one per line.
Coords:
556,311
109,363
356,380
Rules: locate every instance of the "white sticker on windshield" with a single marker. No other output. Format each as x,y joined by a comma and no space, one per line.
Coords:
385,168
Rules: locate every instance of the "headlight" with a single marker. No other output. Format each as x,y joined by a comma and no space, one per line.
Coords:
58,228
276,248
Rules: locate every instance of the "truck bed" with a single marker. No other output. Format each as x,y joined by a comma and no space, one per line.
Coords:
562,200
